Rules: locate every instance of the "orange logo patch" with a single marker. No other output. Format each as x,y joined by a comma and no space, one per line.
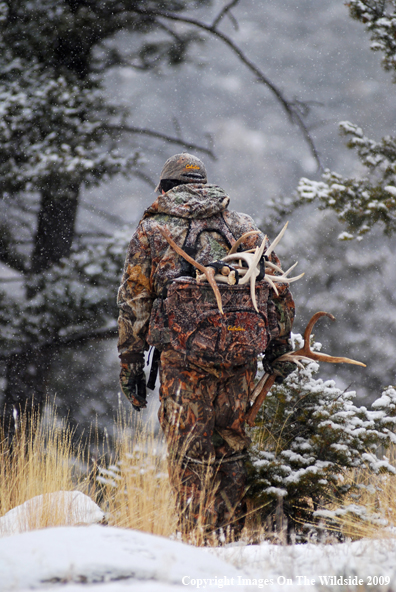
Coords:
231,328
192,166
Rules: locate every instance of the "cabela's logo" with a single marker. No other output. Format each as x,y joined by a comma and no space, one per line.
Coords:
192,166
231,328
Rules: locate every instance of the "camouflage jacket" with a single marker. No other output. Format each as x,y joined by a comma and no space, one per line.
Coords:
151,263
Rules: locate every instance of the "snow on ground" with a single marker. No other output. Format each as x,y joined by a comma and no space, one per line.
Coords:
105,559
311,566
74,506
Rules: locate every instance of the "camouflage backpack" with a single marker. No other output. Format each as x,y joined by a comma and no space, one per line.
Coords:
187,319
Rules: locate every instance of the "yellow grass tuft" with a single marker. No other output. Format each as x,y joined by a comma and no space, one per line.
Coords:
134,487
371,507
39,460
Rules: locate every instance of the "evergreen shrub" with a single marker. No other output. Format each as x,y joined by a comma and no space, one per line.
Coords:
308,435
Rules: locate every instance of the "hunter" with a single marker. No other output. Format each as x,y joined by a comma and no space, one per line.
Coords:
204,389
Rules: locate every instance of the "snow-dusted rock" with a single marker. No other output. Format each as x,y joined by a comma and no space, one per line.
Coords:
70,507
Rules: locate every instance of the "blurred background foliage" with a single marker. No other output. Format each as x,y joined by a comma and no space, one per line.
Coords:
96,94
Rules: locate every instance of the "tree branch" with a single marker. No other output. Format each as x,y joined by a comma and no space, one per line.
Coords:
293,113
148,132
117,220
171,32
223,12
70,340
9,280
98,234
144,178
82,337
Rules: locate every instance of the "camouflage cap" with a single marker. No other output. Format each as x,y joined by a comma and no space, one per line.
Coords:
185,168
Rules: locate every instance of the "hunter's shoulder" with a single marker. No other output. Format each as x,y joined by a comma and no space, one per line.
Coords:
150,224
240,220
153,220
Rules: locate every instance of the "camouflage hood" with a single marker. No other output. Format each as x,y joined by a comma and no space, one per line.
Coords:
190,201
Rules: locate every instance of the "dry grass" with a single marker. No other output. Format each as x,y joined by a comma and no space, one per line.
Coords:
370,510
40,460
133,487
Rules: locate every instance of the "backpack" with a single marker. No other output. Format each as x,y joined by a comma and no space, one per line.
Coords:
186,317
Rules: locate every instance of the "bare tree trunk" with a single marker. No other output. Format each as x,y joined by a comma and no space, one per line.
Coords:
56,226
27,370
26,385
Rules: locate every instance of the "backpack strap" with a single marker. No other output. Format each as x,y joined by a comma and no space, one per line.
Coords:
195,228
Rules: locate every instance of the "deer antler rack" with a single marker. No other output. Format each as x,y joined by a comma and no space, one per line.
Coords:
304,354
244,265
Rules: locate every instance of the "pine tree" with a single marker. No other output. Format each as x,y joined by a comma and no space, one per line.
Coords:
360,204
353,281
58,135
309,435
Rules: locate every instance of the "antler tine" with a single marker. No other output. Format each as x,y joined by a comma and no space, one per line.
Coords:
308,330
337,360
276,241
296,359
180,251
290,268
285,280
273,266
244,256
241,239
208,271
253,264
308,353
253,291
268,279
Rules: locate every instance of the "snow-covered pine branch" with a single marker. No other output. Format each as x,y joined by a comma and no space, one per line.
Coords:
309,434
359,203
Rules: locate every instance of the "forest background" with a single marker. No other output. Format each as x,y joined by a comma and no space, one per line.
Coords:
58,317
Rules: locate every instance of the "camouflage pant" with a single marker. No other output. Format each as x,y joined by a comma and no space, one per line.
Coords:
202,415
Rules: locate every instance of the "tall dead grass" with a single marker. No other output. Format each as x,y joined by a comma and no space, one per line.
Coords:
369,511
129,481
133,488
39,460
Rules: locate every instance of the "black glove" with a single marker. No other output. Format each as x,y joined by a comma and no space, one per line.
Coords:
281,368
133,380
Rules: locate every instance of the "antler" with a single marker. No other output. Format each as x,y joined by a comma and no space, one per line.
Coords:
247,274
276,240
252,259
208,271
304,354
241,239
